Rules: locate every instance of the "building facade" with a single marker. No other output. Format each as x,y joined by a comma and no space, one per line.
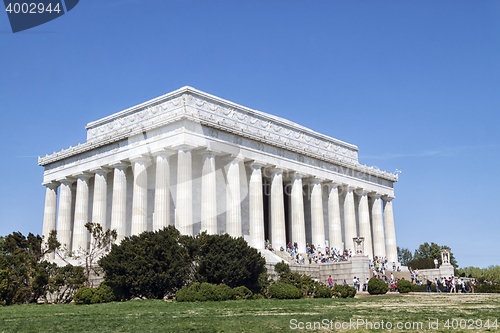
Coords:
202,163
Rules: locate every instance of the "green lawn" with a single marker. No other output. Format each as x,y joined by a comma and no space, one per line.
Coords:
255,316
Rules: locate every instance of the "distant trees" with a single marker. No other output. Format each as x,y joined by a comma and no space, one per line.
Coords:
490,274
424,256
404,256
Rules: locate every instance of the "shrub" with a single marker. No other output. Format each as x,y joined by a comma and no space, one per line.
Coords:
228,260
225,292
404,286
282,268
242,292
84,295
487,288
284,291
152,264
377,286
202,292
418,289
344,291
322,291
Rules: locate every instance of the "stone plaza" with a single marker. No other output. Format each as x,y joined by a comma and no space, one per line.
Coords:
202,163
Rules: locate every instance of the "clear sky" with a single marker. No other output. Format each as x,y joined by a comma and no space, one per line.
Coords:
414,84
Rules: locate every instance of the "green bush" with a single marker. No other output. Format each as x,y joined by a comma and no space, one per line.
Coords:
322,291
284,291
202,292
242,292
102,294
225,292
423,288
487,288
257,296
344,291
84,295
404,286
377,286
282,268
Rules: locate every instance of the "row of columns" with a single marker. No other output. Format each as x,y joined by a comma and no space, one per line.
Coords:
383,243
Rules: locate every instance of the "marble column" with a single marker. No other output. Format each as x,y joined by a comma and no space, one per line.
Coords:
364,222
184,206
317,217
378,226
64,214
100,197
334,221
349,219
209,195
119,201
49,215
233,199
256,207
161,215
390,232
139,196
80,233
278,233
298,220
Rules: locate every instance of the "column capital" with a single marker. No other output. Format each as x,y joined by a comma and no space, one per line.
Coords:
52,184
388,198
139,158
165,152
332,184
349,187
66,180
375,195
85,175
185,146
255,164
361,191
297,174
120,164
231,158
100,170
316,180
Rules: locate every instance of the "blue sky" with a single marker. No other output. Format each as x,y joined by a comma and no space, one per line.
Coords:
415,85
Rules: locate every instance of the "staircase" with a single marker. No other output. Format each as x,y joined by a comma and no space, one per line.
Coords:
285,256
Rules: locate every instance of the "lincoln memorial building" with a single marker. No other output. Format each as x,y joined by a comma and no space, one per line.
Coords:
202,163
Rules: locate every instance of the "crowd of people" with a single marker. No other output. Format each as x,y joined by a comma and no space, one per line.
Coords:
314,254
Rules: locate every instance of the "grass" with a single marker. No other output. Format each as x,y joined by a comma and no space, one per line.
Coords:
252,316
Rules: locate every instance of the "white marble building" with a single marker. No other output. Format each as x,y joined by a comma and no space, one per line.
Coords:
200,162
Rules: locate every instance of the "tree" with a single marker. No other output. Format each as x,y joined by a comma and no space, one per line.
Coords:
433,251
152,264
2,239
404,256
24,277
491,274
100,242
227,260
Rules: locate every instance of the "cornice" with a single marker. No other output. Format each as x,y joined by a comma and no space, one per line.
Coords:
218,114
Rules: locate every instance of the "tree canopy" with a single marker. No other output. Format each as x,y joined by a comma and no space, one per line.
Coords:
424,256
149,265
24,277
223,259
